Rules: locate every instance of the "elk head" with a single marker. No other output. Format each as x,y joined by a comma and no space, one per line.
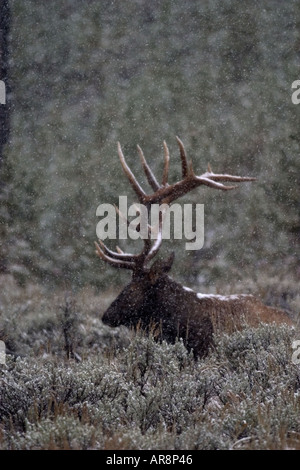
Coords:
152,297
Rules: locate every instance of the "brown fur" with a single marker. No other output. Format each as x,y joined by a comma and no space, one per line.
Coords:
230,313
153,297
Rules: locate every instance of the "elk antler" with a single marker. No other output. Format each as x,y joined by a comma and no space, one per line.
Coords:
119,259
165,193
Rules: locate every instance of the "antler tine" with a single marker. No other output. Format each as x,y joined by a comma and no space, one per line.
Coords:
169,193
225,177
186,185
157,244
166,164
118,255
184,162
131,261
132,180
106,251
120,259
113,260
148,172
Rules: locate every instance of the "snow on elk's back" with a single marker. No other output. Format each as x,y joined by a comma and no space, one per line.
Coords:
224,298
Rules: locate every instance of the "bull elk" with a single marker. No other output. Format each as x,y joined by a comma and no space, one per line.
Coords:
152,298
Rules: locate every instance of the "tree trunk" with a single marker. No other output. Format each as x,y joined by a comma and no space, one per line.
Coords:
4,108
4,126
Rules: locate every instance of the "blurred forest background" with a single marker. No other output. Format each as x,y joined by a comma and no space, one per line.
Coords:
84,74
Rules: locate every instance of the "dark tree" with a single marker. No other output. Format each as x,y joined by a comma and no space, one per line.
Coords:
4,52
4,124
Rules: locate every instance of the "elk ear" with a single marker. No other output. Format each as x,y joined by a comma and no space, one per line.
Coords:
161,267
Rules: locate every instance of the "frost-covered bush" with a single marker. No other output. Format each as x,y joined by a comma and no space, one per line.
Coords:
61,432
155,396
